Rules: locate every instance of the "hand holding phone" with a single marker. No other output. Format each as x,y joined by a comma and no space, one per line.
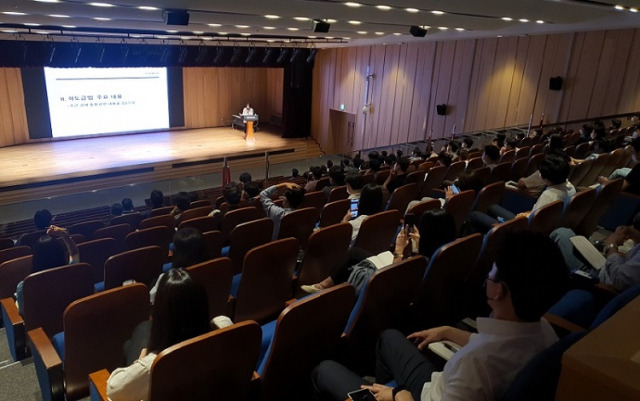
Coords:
353,207
361,395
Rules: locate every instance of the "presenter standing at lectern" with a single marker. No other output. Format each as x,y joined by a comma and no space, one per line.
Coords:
247,111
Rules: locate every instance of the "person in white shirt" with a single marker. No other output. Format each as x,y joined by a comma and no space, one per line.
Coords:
527,278
247,111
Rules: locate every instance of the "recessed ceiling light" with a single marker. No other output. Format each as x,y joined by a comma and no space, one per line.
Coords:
301,18
354,22
43,32
380,33
215,25
539,21
148,8
443,28
499,36
292,29
245,34
437,12
13,13
411,10
101,4
352,4
270,16
397,33
198,32
633,10
361,32
223,33
206,38
242,26
69,26
507,19
269,27
346,38
330,21
9,31
619,7
383,7
161,36
459,29
31,24
523,20
328,37
311,37
102,19
58,16
270,40
47,1
171,31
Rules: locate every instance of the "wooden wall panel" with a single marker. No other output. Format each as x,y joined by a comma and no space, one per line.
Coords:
425,105
13,116
622,40
629,99
440,87
459,87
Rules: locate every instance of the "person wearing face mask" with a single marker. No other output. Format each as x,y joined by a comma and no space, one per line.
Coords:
631,175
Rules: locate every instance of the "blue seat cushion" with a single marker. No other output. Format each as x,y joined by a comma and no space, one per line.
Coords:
166,267
58,343
99,287
224,251
268,331
235,284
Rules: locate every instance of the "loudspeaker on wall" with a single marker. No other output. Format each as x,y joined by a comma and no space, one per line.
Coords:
176,17
320,26
441,109
555,83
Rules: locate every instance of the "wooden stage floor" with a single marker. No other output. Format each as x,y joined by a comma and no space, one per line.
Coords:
42,169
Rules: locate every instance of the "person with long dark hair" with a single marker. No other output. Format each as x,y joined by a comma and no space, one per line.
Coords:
180,312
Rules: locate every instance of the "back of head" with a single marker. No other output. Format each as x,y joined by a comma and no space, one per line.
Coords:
463,154
355,181
252,189
317,172
180,311
337,175
294,196
607,145
512,142
294,172
404,163
374,164
555,142
373,155
42,219
156,198
467,142
492,152
116,209
188,249
329,164
232,193
470,179
127,205
245,178
48,253
445,159
499,139
533,269
371,200
436,228
554,168
183,200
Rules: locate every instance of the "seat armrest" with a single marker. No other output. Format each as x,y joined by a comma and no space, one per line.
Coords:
561,325
98,385
14,326
48,365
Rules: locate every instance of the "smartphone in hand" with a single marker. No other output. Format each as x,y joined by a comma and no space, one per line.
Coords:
353,207
361,395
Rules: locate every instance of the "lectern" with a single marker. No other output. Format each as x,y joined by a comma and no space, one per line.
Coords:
248,131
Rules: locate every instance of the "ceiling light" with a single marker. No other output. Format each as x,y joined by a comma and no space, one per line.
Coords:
206,38
459,29
397,33
242,26
102,19
223,33
311,37
633,10
198,32
148,8
47,1
443,28
171,31
301,18
330,21
58,16
346,37
411,10
43,32
13,13
270,16
619,7
9,31
245,34
507,19
539,21
352,4
437,12
101,4
328,37
292,29
215,25
354,22
361,32
383,7
31,24
523,20
69,26
380,33
269,27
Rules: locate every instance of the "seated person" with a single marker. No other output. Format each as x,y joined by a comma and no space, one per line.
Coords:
127,206
48,253
491,156
510,143
244,179
355,183
620,270
156,198
232,194
42,220
398,175
336,179
631,175
527,278
183,202
554,170
313,177
292,196
181,312
534,184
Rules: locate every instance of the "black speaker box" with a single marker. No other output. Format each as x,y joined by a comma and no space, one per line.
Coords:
555,83
441,109
176,17
417,31
320,26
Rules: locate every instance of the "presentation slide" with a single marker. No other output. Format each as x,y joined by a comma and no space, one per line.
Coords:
86,101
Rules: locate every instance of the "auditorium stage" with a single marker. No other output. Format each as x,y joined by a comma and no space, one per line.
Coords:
37,170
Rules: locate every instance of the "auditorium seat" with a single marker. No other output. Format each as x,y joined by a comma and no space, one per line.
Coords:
220,365
14,252
604,199
474,164
12,272
576,208
235,217
202,223
265,284
500,173
159,236
338,193
518,168
489,195
246,236
455,170
95,253
402,196
383,302
31,238
594,172
377,232
6,243
133,219
166,220
326,251
508,156
118,232
46,295
200,203
522,152
95,327
582,150
381,176
306,333
193,213
215,276
459,207
160,211
86,228
333,212
425,166
416,177
143,265
434,178
615,161
547,218
442,288
299,224
314,199
212,243
532,165
535,149
419,208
